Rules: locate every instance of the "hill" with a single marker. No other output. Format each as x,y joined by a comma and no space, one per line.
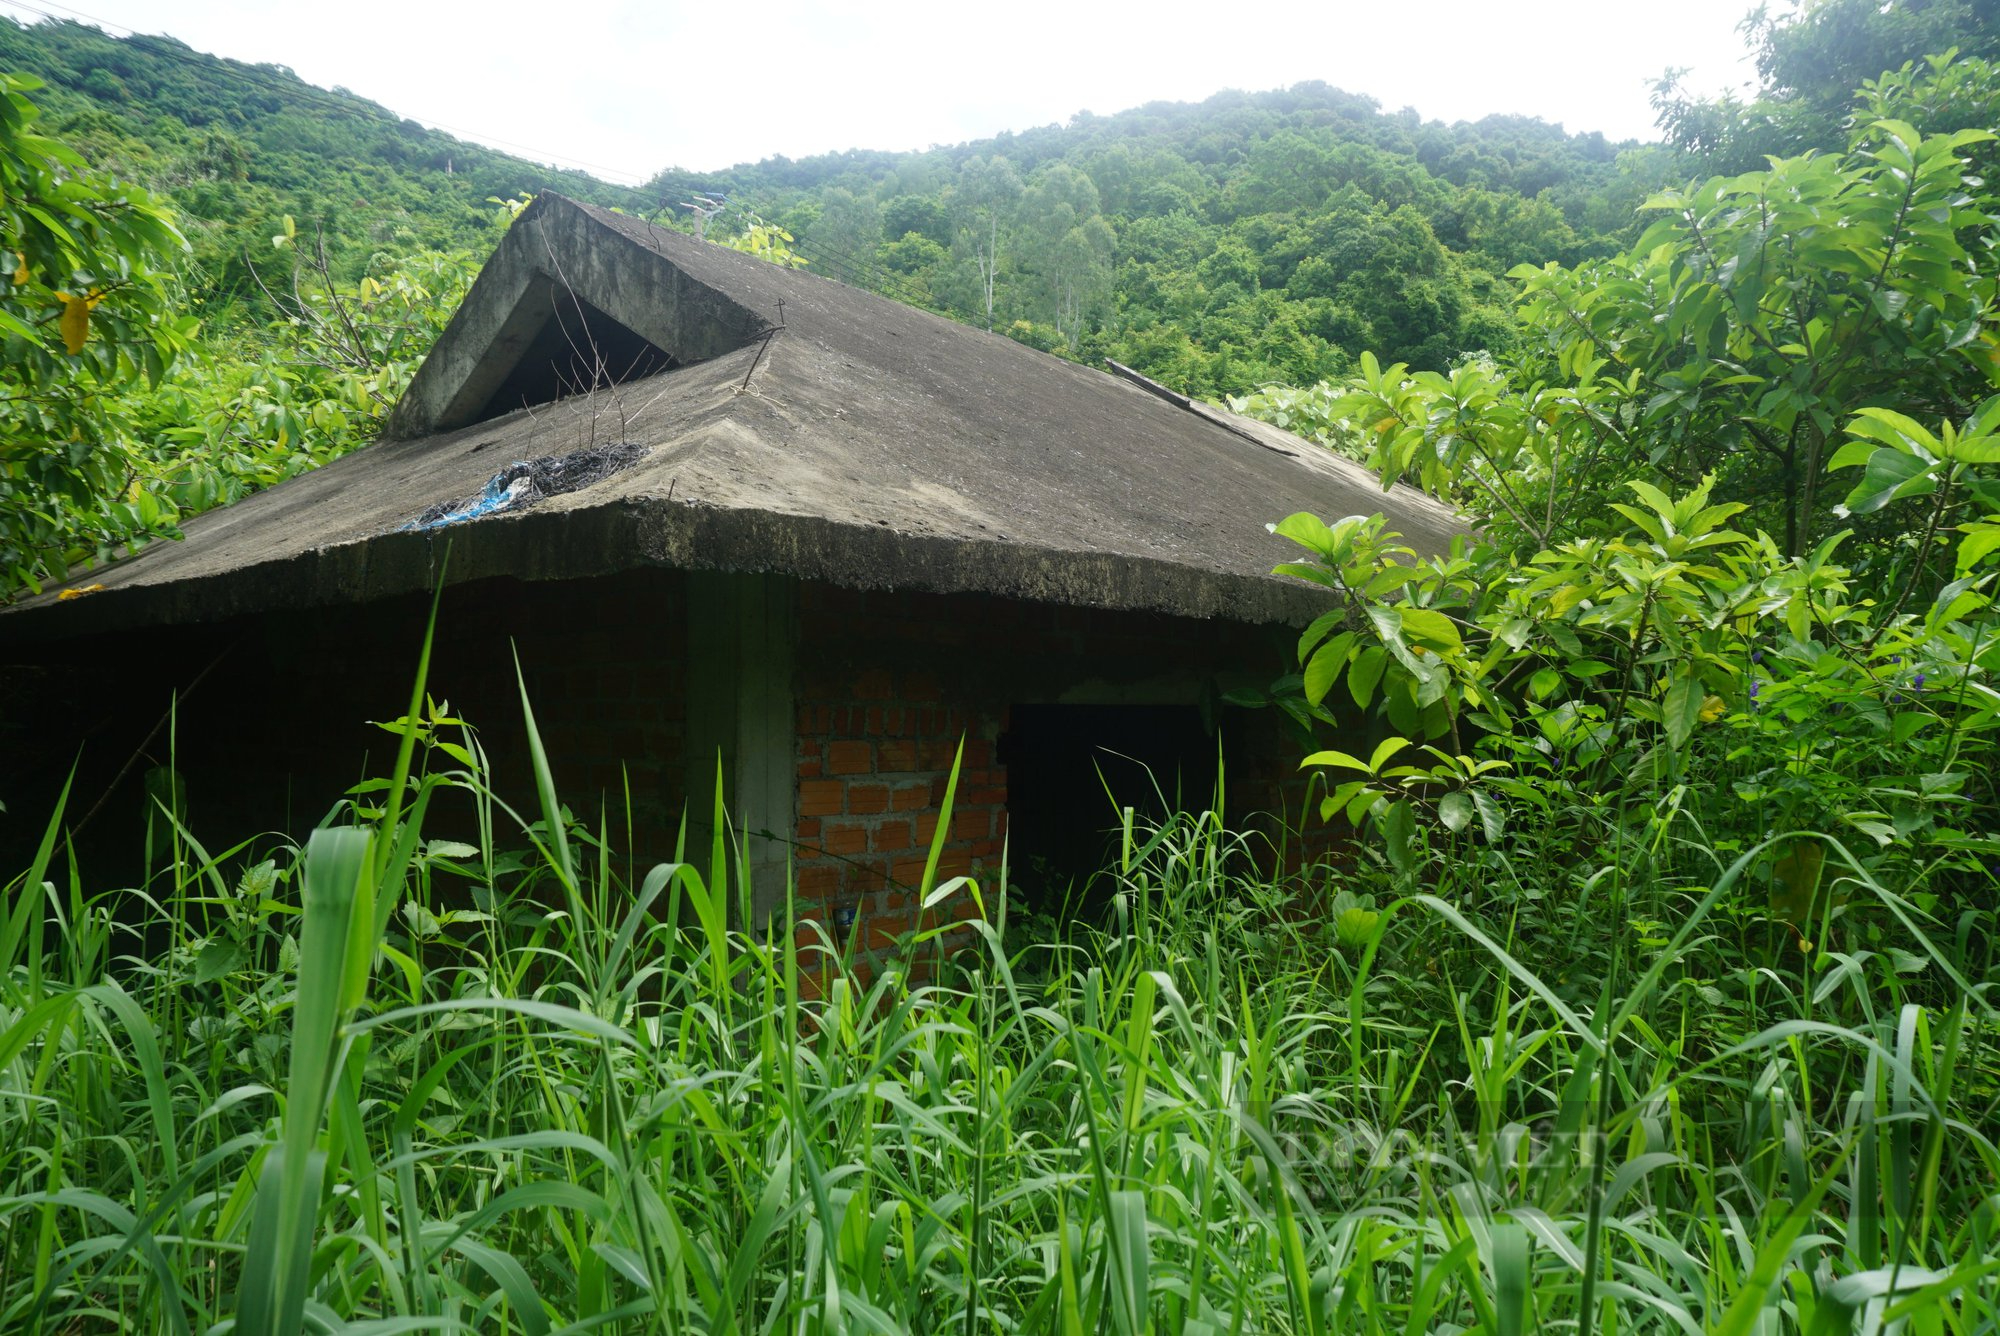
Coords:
1248,238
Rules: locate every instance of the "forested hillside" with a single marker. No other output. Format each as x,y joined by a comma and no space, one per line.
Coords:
1253,240
237,147
1653,986
1249,238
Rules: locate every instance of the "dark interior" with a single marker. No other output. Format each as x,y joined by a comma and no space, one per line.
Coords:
1072,769
578,348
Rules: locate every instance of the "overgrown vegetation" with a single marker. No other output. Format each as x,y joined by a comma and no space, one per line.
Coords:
1659,993
1252,240
384,1082
118,414
1254,237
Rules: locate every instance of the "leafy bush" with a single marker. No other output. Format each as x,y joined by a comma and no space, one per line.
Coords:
84,317
1802,352
385,1080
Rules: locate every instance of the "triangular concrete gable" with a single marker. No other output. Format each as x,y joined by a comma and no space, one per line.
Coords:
567,303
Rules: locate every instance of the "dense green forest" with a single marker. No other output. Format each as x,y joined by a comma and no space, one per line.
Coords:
1248,238
1656,989
1251,239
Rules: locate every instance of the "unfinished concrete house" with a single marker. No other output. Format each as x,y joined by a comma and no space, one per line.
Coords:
716,508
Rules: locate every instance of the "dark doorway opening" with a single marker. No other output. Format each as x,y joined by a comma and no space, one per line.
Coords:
1071,771
578,348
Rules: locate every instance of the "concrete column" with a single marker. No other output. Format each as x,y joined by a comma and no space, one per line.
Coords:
741,633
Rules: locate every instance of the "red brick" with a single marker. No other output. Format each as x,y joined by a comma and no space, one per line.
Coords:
875,684
867,799
809,769
844,837
821,797
891,757
815,980
816,882
892,837
910,797
971,825
808,828
849,758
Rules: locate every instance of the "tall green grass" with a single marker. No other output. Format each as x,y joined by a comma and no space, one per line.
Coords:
381,1082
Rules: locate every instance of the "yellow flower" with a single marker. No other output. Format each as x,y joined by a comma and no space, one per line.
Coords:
1712,708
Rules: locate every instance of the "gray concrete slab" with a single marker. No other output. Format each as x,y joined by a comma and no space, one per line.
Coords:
813,430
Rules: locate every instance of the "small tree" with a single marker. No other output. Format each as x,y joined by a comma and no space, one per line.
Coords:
1806,352
84,314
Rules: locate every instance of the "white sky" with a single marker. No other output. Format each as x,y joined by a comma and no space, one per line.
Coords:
626,87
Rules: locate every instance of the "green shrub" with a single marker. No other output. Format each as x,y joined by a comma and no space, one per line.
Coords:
385,1082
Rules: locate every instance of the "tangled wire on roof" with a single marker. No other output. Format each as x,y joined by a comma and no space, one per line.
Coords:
522,484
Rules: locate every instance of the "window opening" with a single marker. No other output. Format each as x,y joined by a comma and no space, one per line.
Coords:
1072,769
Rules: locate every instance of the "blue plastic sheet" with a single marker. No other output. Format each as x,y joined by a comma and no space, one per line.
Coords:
525,482
498,495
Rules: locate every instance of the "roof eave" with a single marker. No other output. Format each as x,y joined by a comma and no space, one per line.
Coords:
580,543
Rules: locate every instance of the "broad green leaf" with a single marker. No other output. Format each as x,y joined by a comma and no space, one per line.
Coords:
1367,670
1323,669
1681,710
1890,476
1337,760
1431,628
1307,530
1385,749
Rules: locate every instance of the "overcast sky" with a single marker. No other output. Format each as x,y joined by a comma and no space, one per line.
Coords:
626,87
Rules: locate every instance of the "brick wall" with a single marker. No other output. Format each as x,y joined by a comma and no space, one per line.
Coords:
281,722
875,753
888,684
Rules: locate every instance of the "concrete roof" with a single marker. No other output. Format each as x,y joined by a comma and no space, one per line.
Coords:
807,428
